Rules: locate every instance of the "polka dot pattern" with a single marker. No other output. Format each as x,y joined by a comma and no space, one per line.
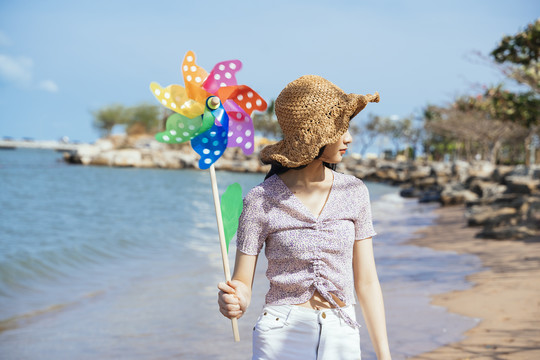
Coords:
210,131
241,132
223,74
180,129
243,96
194,76
174,97
212,143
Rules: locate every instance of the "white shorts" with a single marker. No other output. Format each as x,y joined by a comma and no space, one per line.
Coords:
290,332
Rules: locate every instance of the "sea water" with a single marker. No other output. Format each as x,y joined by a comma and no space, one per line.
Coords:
122,263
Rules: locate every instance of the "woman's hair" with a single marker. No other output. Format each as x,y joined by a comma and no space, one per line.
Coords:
277,168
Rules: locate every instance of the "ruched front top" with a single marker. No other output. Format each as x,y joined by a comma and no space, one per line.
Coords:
306,253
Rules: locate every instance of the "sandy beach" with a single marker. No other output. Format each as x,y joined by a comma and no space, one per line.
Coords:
505,296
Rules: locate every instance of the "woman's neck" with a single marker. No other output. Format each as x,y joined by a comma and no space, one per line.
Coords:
315,172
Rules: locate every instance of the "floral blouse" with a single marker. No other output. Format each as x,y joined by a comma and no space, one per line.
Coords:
306,253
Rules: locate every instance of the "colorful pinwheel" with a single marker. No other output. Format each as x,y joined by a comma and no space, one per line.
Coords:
214,113
233,126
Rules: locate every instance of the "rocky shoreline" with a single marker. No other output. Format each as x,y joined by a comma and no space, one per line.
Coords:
502,201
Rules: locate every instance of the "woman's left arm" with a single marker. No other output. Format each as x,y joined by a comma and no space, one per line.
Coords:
368,291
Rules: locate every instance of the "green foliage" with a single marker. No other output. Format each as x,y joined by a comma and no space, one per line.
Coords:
142,118
522,48
109,116
146,115
521,108
520,54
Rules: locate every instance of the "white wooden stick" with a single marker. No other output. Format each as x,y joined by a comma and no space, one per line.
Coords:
222,242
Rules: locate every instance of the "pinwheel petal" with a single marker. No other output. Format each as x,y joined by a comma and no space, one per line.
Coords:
241,132
223,74
194,77
211,144
179,129
243,96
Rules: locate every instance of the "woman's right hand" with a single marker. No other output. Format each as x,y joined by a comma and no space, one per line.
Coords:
233,298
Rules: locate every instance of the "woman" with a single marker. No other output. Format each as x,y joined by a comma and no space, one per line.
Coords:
316,224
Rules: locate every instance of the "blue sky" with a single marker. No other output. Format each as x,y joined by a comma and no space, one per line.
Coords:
60,60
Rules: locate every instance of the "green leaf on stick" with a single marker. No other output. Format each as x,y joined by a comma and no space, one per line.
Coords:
231,208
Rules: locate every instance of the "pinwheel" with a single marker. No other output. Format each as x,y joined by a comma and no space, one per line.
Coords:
214,113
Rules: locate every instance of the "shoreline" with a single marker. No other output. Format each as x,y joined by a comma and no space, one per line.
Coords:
505,295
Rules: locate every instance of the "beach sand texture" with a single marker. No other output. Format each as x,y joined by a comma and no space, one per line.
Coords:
505,296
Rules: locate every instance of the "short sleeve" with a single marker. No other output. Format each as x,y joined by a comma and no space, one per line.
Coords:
252,224
363,225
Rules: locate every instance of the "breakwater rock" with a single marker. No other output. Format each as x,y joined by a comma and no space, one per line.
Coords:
146,152
503,201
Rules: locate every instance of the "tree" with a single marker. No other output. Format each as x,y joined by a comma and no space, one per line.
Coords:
366,133
106,118
400,132
143,118
519,56
469,128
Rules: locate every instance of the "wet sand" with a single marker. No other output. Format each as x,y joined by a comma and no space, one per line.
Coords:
505,296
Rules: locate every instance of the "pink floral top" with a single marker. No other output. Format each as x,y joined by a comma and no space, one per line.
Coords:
306,253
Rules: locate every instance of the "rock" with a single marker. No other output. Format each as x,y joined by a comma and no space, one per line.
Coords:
85,153
486,189
455,193
410,192
425,183
522,184
460,170
430,196
127,158
500,173
440,169
504,200
104,158
387,173
506,232
481,169
363,172
531,210
419,172
487,215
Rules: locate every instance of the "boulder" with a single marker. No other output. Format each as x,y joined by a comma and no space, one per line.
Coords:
486,189
85,153
522,184
487,215
460,170
419,172
481,169
454,193
506,232
126,158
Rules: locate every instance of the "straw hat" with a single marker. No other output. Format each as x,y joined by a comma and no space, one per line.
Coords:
312,112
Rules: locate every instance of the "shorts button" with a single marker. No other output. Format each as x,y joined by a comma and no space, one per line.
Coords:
323,315
277,319
265,313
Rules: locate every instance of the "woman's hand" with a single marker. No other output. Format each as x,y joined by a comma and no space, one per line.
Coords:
233,298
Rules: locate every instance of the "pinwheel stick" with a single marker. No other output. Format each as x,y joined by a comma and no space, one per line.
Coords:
222,242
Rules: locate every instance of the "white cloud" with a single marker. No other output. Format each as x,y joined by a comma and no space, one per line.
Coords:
4,39
19,72
16,70
48,85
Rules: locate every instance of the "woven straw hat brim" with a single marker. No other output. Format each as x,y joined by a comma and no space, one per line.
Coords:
294,151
